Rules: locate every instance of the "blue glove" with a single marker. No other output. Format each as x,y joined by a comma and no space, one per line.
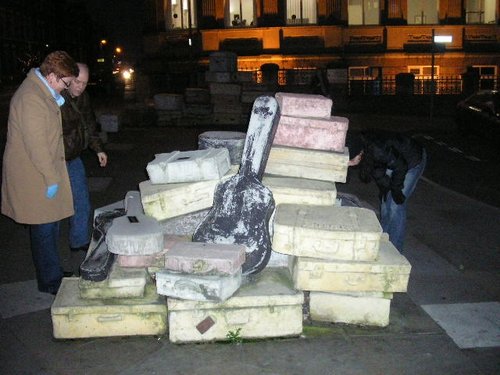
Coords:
52,191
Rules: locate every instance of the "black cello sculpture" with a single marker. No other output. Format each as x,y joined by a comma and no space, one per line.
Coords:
242,205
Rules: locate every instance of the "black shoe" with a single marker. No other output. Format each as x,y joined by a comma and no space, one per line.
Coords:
81,248
68,274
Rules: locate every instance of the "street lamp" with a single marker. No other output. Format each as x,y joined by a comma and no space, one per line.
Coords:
437,40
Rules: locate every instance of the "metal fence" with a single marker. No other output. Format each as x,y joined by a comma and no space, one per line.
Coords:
385,85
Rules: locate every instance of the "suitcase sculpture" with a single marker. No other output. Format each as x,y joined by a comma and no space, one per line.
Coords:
98,261
242,204
136,233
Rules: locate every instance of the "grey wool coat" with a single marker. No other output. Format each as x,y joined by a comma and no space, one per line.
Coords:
34,157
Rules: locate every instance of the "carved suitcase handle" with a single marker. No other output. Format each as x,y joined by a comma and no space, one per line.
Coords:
109,318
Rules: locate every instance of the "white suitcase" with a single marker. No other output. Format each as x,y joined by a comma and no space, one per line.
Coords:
363,308
265,306
389,273
195,287
300,190
327,232
189,166
306,163
74,317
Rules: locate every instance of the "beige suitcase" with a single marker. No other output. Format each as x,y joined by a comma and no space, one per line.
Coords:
306,163
327,232
165,201
363,308
74,317
120,283
301,191
389,273
266,306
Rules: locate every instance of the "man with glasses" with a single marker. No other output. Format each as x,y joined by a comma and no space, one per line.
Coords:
35,183
79,128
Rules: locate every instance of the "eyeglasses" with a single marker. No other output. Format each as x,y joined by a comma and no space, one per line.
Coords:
65,83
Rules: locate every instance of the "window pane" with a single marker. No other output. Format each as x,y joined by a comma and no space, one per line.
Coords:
423,12
299,12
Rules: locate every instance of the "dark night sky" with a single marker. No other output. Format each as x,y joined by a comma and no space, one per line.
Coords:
120,21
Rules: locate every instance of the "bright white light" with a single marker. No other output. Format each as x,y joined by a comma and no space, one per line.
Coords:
190,42
443,38
126,74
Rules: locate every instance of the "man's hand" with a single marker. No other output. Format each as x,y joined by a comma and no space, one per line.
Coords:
398,196
382,193
103,158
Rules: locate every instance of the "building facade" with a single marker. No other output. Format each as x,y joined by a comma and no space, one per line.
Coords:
369,39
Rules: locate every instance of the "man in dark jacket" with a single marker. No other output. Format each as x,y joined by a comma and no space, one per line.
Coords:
79,130
395,162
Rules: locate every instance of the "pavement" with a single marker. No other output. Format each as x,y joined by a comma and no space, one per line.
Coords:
447,323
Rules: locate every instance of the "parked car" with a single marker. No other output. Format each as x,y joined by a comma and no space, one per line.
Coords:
480,114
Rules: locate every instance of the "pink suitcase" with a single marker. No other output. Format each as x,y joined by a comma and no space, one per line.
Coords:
312,133
158,259
205,258
304,105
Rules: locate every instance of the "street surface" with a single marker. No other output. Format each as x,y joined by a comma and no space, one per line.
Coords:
447,323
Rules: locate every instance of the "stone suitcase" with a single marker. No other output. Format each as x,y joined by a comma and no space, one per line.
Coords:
135,235
265,306
189,166
389,273
363,308
197,287
312,133
306,163
205,258
154,260
120,283
304,105
223,62
233,141
300,190
163,201
74,317
327,232
168,102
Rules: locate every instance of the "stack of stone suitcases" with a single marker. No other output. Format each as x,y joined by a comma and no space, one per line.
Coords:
162,281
